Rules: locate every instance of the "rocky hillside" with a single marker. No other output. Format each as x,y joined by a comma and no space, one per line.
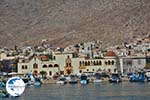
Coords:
63,22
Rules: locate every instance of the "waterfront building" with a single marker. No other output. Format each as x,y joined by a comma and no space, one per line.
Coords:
133,63
37,64
65,63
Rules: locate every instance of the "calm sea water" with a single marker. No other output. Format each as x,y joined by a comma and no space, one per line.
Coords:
103,91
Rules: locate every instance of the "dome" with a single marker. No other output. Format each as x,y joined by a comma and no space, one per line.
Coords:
110,53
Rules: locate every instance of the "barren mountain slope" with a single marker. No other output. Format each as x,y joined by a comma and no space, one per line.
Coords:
64,22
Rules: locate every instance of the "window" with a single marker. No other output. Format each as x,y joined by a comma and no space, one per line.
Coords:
93,70
50,65
112,62
100,63
56,65
80,63
23,67
35,66
83,63
44,66
80,71
26,67
97,63
108,62
94,63
50,73
87,70
86,63
105,62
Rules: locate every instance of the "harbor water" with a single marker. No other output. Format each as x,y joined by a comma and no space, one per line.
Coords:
102,91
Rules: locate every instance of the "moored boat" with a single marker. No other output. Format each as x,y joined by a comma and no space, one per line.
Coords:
137,77
73,80
83,79
97,78
61,81
115,78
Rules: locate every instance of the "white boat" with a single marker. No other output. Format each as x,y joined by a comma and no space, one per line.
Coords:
97,78
61,81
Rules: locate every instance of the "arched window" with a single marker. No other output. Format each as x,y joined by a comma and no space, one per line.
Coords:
23,67
50,73
56,65
105,62
109,62
94,63
112,62
100,63
80,63
97,63
35,66
88,63
83,63
44,66
50,65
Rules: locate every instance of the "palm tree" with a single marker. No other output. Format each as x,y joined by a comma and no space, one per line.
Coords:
43,73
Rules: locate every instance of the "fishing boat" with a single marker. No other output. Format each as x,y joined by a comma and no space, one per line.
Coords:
61,81
83,79
97,78
115,78
137,77
30,80
147,76
73,80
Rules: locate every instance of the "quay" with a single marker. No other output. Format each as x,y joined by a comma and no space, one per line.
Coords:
104,80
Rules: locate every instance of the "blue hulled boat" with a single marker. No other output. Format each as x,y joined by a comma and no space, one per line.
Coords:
138,77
